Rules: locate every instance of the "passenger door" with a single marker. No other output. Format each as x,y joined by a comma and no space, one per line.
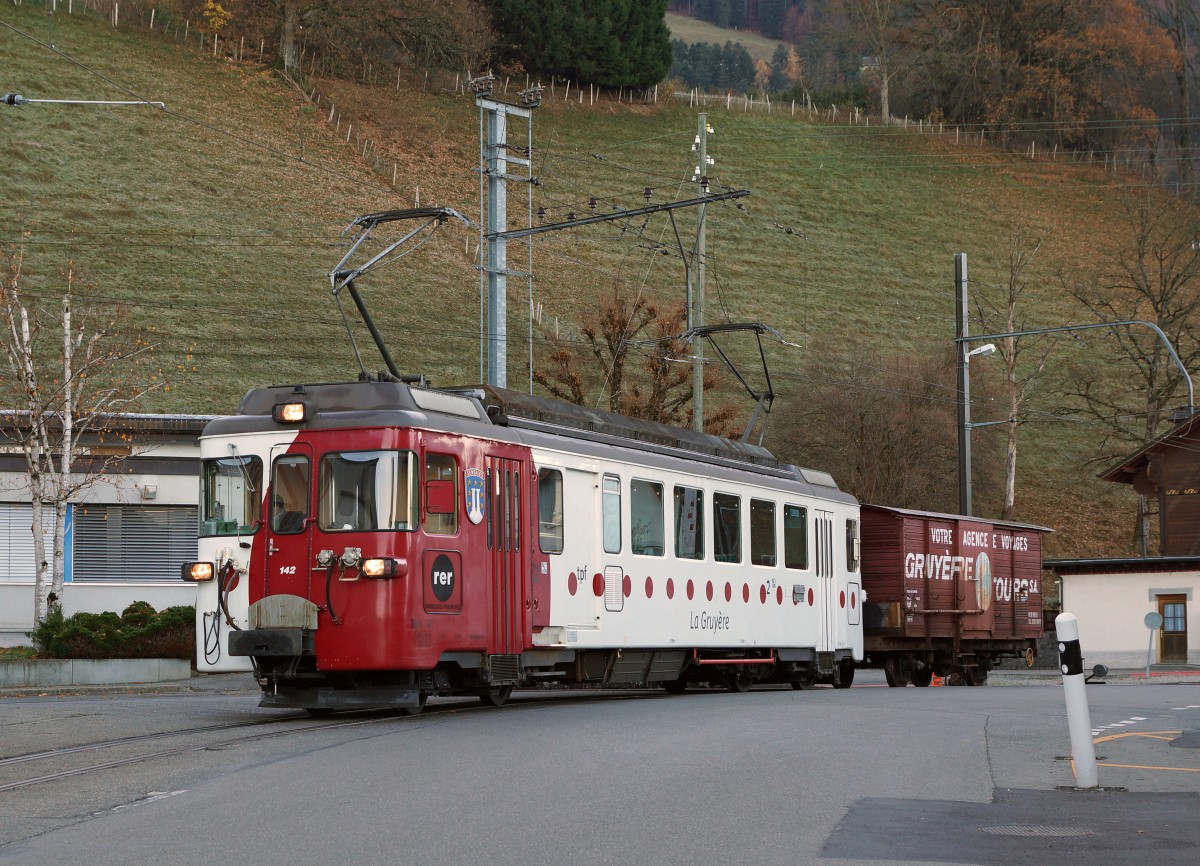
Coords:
823,551
288,513
508,579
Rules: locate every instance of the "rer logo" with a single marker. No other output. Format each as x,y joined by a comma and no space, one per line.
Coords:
473,481
441,578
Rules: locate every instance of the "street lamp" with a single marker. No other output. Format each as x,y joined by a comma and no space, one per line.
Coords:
964,404
965,425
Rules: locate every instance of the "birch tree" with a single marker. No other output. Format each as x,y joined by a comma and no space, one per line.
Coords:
69,372
1002,315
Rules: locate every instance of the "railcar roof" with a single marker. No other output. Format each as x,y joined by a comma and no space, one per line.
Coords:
483,410
912,512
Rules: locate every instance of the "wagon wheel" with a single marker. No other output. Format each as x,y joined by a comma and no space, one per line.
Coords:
416,711
975,676
497,696
922,677
738,682
845,675
803,682
897,677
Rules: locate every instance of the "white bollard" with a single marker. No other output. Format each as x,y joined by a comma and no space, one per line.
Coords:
1079,719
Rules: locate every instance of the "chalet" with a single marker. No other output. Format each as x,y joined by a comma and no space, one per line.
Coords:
1112,597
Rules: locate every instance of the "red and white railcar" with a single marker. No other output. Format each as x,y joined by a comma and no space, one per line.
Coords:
373,543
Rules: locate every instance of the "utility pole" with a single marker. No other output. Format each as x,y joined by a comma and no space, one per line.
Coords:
494,162
964,384
696,301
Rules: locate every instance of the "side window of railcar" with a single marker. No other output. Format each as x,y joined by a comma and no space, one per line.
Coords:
762,532
289,493
230,495
648,533
440,516
612,514
689,523
550,510
367,490
795,536
727,527
852,545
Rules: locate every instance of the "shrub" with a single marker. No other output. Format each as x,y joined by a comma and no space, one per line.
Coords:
139,632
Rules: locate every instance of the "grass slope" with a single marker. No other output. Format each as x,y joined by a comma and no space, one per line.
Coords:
693,30
207,222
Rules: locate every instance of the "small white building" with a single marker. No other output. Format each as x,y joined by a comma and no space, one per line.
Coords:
127,536
1112,597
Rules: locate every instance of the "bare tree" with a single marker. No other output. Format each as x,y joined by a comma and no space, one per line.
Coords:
1154,277
65,386
635,362
879,23
1002,315
887,431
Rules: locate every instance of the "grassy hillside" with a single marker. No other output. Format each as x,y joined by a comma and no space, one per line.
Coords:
218,220
693,30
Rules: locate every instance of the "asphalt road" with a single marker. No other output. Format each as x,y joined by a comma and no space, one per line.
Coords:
870,774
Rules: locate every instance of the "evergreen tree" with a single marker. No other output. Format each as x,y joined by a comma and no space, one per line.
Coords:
779,81
613,43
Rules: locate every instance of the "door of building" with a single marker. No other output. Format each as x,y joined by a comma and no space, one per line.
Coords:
1173,641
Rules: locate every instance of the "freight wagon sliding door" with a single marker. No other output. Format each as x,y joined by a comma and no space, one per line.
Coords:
506,513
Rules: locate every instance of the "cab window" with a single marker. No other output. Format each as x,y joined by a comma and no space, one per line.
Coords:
290,476
367,490
230,495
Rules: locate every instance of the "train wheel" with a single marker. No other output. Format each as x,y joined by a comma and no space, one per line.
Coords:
897,677
738,682
416,711
675,687
845,675
496,697
922,678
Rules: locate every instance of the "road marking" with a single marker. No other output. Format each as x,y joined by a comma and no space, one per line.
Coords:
1188,707
1153,735
152,797
1132,720
1142,767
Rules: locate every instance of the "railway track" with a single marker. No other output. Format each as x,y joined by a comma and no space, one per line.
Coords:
280,727
285,727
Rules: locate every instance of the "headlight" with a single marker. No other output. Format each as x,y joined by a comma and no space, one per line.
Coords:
198,571
382,567
289,413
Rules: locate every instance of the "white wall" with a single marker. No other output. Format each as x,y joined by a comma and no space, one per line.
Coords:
16,602
1111,609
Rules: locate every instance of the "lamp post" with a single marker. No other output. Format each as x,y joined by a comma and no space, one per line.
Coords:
965,425
964,407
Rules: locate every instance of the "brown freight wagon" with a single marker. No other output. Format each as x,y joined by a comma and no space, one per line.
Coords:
948,594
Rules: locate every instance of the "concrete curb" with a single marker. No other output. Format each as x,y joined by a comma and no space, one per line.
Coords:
39,673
